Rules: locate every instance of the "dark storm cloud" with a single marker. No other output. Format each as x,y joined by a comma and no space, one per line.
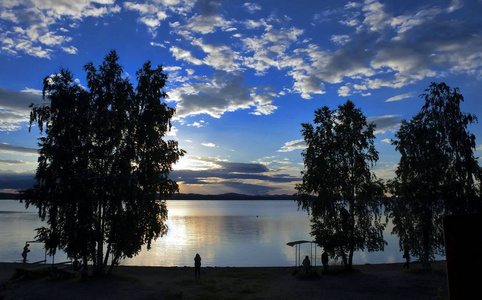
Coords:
4,147
249,189
198,177
233,173
209,7
17,101
386,123
228,167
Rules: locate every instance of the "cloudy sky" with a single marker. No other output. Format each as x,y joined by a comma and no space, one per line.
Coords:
244,75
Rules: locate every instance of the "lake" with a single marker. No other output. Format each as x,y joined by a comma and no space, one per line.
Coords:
224,233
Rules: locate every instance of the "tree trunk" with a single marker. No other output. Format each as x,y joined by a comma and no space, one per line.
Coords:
99,270
350,259
115,259
343,258
106,258
428,228
85,269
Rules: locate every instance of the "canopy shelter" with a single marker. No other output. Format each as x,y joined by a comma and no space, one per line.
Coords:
45,248
30,242
297,245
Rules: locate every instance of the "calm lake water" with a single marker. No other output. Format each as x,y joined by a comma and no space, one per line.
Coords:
224,233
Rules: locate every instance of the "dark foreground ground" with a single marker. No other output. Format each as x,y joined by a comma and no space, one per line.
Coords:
381,281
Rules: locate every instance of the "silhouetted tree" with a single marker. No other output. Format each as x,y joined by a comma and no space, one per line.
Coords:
437,174
103,162
340,192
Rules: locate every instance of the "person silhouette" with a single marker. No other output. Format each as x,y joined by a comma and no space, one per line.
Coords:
306,264
24,253
406,255
76,265
197,266
324,261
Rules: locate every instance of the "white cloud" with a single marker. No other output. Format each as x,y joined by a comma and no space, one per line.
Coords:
455,5
362,55
399,97
172,132
205,24
151,15
375,17
251,7
263,103
252,24
404,23
171,68
293,145
220,57
181,54
351,5
379,51
157,44
210,145
38,30
199,124
344,91
340,39
70,49
11,121
388,141
32,91
270,49
220,94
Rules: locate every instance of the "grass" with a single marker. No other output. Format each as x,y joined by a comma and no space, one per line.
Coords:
175,295
317,272
30,274
302,274
124,277
244,283
231,284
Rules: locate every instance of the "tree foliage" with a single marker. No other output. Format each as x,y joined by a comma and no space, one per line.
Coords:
103,162
437,174
338,189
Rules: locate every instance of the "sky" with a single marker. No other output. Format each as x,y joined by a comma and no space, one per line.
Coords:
243,76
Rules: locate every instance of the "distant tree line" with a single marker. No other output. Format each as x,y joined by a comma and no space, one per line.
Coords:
437,175
231,196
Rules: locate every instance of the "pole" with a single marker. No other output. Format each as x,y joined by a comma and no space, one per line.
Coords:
311,252
296,255
315,254
299,254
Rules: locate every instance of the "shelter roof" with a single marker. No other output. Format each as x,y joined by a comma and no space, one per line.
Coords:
299,242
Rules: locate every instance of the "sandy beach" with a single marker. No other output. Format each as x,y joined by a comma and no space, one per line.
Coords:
380,281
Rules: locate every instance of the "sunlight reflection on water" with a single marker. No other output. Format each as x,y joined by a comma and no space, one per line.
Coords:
224,233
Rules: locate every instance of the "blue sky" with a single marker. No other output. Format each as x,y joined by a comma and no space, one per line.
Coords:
244,75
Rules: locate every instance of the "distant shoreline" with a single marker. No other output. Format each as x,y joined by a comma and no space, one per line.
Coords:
227,197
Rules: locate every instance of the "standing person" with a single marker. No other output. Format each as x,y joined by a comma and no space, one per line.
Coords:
306,264
24,253
324,261
406,255
197,266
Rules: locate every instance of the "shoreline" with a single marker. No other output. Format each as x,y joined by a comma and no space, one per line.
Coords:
370,281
